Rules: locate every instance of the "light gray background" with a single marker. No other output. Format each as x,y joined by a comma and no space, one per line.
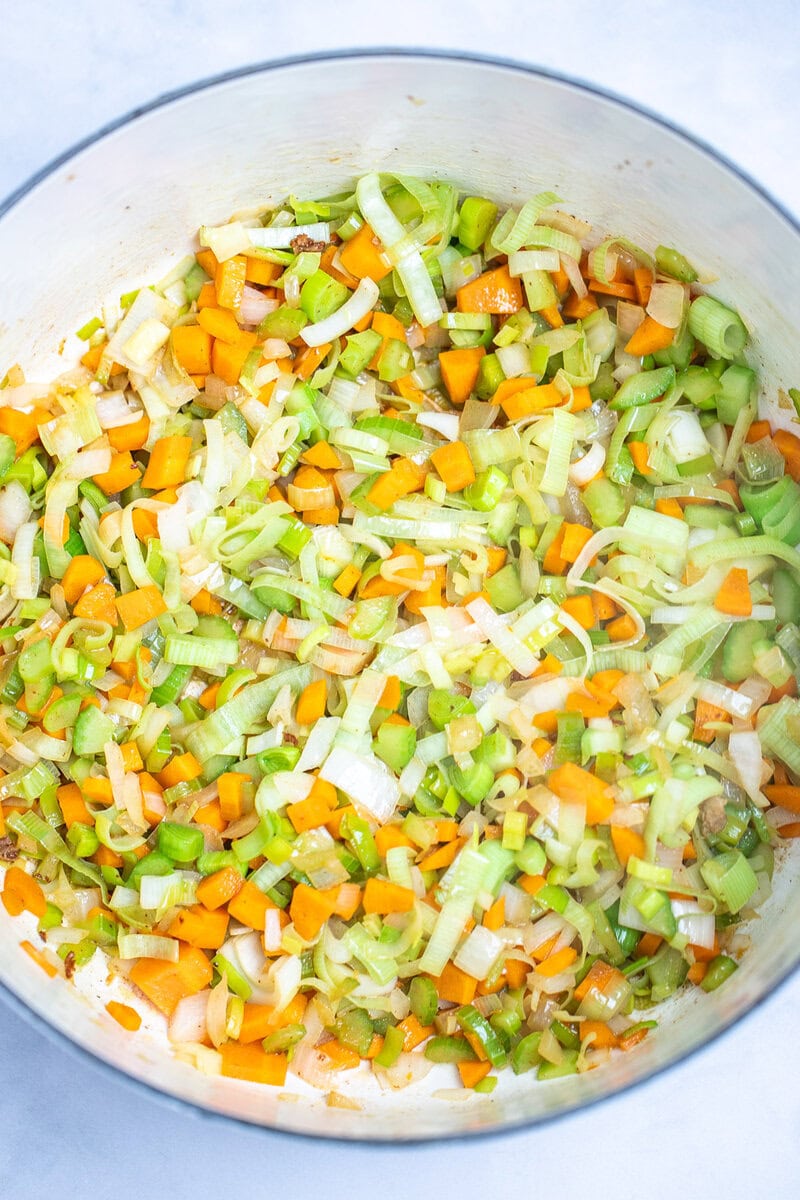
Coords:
724,1124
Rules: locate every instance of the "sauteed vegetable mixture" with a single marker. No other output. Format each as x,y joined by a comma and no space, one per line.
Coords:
400,636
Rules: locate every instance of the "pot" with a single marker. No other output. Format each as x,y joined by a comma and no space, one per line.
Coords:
119,210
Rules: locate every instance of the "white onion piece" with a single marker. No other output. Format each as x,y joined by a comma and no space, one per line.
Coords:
280,237
217,1012
515,360
695,924
444,423
480,951
510,646
532,260
741,705
408,1068
585,469
666,304
362,301
188,1022
573,273
89,462
15,508
318,744
364,779
254,306
744,747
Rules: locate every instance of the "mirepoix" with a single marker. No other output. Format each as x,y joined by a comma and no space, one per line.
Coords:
400,610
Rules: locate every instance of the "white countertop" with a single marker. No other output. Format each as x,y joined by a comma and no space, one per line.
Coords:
724,1124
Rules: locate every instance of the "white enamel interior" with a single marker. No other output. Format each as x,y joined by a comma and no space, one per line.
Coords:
120,211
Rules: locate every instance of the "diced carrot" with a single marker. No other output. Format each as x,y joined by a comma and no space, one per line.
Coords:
322,516
345,582
621,629
167,465
309,813
131,436
362,256
495,291
724,485
573,784
623,291
82,572
216,890
104,857
122,473
403,478
473,1072
557,962
757,431
697,972
73,806
97,604
340,1058
576,309
455,986
261,1020
381,896
602,1037
145,524
392,693
454,465
205,604
309,911
575,538
208,261
322,455
581,400
22,427
518,402
598,977
648,338
165,983
733,597
431,597
210,814
227,360
192,348
97,789
460,371
229,280
581,609
640,453
138,607
626,842
200,926
231,789
131,758
249,906
670,508
22,892
308,359
790,830
220,324
643,285
311,703
441,857
553,562
390,836
182,768
789,446
785,795
604,607
258,270
124,1015
253,1064
531,883
648,944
